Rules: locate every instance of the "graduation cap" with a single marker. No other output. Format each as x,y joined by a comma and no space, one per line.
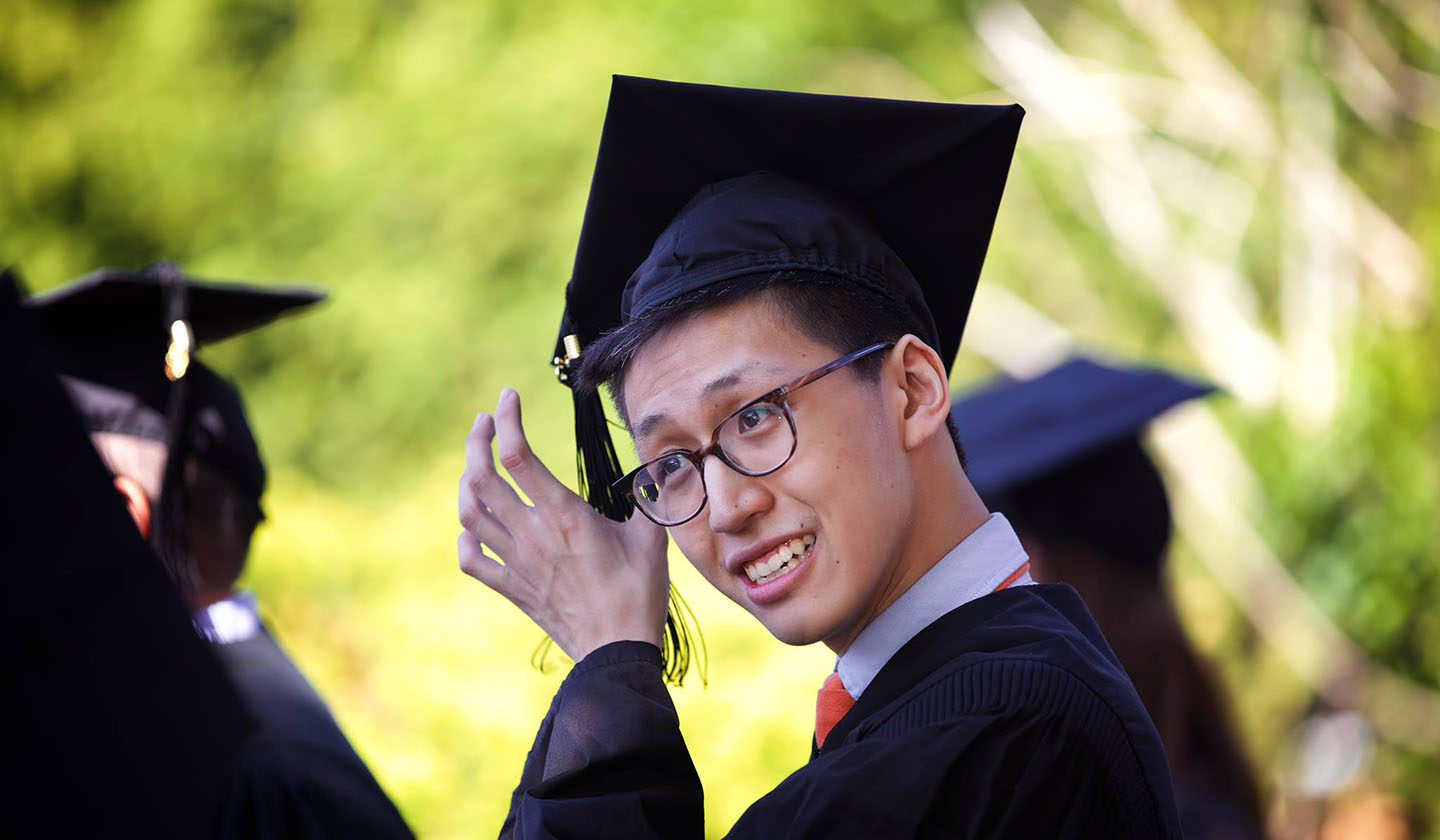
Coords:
1060,455
1017,430
125,342
695,185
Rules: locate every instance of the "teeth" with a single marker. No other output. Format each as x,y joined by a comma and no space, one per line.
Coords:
785,558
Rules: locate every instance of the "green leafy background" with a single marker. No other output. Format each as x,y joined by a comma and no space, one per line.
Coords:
428,162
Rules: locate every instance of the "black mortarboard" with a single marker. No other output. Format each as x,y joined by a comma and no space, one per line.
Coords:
885,191
1017,430
124,340
697,184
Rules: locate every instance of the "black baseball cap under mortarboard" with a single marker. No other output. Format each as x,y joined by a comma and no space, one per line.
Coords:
1016,430
124,342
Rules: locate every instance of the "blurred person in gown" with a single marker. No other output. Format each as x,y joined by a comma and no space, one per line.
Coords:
1060,455
174,437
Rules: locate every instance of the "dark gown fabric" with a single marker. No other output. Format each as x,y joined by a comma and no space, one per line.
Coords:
297,729
118,719
285,789
1007,717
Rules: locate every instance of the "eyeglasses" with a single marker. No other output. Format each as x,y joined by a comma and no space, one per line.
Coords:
757,439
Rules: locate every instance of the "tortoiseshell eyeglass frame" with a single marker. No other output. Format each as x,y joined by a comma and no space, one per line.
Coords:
779,397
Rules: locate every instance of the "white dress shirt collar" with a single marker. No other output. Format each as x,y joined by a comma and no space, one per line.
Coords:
229,620
970,570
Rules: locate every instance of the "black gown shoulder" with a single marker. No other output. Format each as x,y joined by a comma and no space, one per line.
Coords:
281,699
300,777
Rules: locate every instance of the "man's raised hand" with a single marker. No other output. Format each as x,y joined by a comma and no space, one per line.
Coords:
585,579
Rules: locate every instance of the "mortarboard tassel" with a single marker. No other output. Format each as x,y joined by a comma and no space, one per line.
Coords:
598,468
168,535
596,463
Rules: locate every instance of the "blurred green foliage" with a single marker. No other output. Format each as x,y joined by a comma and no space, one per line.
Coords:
428,163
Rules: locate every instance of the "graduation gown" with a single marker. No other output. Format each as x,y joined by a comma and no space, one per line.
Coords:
1007,717
303,778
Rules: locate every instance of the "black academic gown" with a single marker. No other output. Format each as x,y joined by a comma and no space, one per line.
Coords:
1007,717
305,779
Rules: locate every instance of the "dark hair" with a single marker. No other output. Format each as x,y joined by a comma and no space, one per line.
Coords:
220,519
827,308
1110,501
1102,523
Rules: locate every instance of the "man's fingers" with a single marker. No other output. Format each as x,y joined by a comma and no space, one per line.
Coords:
529,472
480,480
483,524
475,563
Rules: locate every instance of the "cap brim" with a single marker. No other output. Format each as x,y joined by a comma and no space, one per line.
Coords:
1017,430
109,302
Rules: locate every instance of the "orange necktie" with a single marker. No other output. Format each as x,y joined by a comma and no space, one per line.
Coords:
831,704
834,701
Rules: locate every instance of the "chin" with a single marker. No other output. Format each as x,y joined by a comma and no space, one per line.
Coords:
796,630
794,638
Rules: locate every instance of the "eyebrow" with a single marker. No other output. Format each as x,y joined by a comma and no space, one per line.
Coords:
648,424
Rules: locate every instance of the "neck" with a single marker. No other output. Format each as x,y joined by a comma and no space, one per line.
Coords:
946,511
204,596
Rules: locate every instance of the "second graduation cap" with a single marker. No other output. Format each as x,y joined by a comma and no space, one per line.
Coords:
124,341
1018,430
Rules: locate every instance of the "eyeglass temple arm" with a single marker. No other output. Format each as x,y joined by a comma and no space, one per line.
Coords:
825,370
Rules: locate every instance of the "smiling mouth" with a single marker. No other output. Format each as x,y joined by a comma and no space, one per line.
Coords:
781,561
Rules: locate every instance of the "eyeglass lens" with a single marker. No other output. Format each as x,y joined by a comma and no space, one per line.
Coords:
755,440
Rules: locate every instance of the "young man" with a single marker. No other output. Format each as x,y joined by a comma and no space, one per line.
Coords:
1040,447
755,283
175,437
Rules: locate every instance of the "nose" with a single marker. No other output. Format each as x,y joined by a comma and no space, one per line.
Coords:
734,499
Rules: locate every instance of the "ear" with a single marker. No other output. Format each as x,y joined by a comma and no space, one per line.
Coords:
921,376
136,502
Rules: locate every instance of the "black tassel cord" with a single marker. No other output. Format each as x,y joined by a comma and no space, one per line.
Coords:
598,467
168,530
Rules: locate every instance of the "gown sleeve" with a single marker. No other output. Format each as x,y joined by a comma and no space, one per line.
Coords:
609,760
